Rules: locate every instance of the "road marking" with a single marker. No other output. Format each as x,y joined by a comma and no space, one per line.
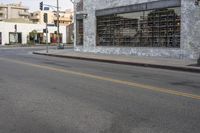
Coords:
132,84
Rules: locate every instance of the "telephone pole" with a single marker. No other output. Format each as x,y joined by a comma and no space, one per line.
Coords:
58,25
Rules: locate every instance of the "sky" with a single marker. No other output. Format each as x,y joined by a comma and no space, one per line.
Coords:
34,4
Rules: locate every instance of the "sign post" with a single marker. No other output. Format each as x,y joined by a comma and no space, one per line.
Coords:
46,30
58,28
15,33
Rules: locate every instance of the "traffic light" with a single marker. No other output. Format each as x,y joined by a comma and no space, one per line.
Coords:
41,6
45,17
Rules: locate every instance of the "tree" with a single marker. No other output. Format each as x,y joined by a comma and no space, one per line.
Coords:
33,35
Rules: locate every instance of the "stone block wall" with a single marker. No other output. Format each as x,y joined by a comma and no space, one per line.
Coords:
190,31
190,28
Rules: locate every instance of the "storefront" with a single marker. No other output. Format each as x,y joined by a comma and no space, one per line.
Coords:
153,28
28,33
15,37
156,28
54,37
38,38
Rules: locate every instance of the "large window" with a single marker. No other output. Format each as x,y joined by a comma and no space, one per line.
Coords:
15,38
37,38
154,28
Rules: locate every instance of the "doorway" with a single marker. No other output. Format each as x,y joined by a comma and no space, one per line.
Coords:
79,27
15,38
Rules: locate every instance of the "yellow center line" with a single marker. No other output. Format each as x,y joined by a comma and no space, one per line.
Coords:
132,84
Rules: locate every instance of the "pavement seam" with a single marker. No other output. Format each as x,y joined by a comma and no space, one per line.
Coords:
127,83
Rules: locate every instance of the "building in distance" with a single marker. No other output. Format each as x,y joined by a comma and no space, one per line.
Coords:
14,13
64,19
18,13
17,24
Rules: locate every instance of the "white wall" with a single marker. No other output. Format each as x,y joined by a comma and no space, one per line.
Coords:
25,29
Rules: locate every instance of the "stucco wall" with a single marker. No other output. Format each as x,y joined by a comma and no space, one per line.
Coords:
5,28
190,31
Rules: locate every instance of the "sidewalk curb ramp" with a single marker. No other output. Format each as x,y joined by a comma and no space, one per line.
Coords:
177,68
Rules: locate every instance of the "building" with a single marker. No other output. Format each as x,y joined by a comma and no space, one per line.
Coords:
64,19
11,12
37,17
21,33
19,13
17,25
157,28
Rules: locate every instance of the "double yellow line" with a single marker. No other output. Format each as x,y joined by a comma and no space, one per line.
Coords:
127,83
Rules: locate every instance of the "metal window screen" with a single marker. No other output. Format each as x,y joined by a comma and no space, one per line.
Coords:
79,38
155,28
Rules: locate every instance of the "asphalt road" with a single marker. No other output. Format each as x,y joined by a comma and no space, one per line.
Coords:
40,94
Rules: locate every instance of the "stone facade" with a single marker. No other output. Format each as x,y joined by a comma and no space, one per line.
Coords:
190,28
190,31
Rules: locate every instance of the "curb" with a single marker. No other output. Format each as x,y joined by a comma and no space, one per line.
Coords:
177,68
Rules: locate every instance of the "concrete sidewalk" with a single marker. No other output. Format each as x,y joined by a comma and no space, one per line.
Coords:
162,63
33,46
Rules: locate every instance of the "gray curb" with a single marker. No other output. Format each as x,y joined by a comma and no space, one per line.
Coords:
177,68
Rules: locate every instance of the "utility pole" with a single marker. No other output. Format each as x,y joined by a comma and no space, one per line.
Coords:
15,26
74,19
58,16
47,49
58,25
46,30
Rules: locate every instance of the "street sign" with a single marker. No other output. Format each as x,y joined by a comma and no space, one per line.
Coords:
46,8
51,25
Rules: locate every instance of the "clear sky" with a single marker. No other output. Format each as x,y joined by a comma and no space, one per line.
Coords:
34,4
